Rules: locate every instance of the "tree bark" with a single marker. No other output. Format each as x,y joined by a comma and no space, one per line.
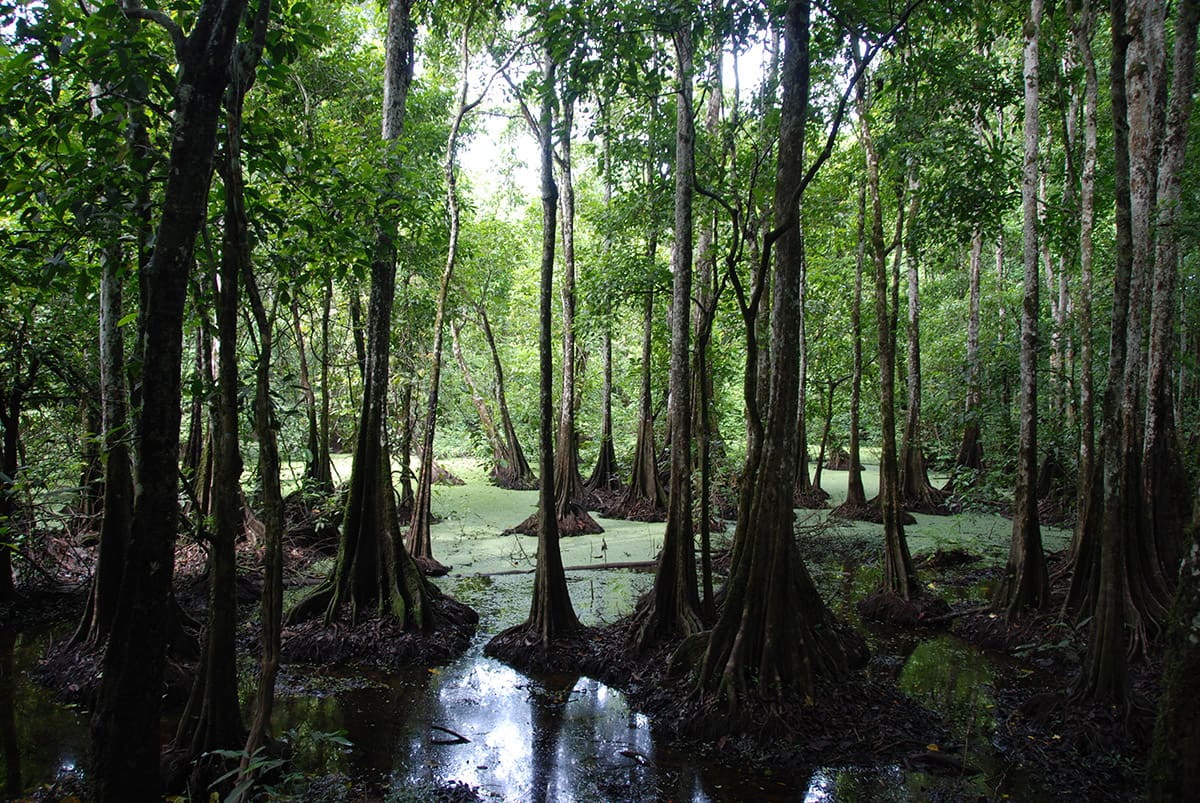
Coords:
1165,486
373,572
516,473
856,495
96,623
125,726
916,492
419,543
1026,583
573,518
774,636
312,466
672,609
271,604
899,574
551,615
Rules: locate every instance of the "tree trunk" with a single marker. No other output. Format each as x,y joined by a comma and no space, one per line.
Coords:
1025,583
487,422
573,518
672,609
551,615
916,492
516,473
1173,772
419,544
312,468
212,718
856,495
97,620
1165,486
969,461
605,475
1083,561
325,481
125,726
899,575
271,605
1129,598
645,488
774,636
373,572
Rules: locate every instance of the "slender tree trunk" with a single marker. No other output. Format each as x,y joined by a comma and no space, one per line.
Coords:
1084,558
265,426
551,615
605,476
856,496
97,621
645,487
487,422
774,636
312,468
125,726
325,480
672,609
573,518
1165,484
899,574
1026,583
517,474
212,719
419,544
916,492
373,572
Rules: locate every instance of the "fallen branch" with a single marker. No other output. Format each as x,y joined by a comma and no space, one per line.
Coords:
590,567
458,737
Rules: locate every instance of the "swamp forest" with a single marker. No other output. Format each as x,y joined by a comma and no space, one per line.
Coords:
596,400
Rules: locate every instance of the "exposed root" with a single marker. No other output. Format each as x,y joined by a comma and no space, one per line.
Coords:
524,648
382,641
869,512
881,606
577,521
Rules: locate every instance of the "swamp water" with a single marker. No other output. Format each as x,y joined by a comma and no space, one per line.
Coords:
554,738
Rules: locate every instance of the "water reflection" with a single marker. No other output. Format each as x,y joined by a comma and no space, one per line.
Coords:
8,718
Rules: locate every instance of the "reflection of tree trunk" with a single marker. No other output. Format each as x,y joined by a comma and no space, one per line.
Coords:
546,719
8,718
516,474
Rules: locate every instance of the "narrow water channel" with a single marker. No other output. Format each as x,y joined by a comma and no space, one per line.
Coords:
560,738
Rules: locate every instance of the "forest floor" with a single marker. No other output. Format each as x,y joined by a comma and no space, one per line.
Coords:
968,708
